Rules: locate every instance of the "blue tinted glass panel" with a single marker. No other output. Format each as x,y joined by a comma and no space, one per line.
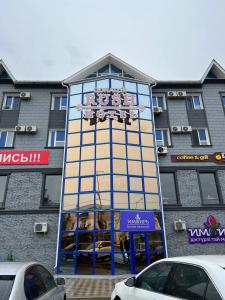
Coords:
146,114
76,89
105,69
116,84
115,70
144,100
103,83
154,101
52,138
88,86
158,135
202,135
64,101
9,101
75,100
57,103
197,103
143,89
60,136
131,86
3,136
74,113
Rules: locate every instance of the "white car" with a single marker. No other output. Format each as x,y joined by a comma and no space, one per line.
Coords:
190,277
29,281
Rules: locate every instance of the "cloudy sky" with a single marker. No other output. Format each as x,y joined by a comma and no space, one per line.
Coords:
167,39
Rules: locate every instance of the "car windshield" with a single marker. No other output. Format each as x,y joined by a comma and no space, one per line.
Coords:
6,284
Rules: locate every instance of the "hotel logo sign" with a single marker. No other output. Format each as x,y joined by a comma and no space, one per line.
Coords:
110,103
212,232
135,221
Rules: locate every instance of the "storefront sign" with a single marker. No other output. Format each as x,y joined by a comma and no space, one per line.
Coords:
135,221
111,103
218,157
33,157
211,233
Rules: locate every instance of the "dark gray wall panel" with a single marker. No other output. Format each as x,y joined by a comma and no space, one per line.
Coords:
57,119
9,118
197,118
162,120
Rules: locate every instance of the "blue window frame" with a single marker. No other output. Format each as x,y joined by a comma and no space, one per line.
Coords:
162,137
6,139
203,137
59,102
197,102
56,138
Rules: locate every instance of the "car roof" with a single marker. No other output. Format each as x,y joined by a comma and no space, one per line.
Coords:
12,268
198,259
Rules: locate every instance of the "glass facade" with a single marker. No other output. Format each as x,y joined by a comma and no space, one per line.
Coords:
110,165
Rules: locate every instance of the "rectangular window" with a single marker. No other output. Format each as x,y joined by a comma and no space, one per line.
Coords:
52,190
6,139
223,99
159,101
196,101
3,183
209,188
162,137
200,137
11,102
169,194
59,102
56,138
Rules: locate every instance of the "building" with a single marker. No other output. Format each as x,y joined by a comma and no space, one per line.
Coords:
121,129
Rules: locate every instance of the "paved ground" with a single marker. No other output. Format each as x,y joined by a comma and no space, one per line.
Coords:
86,288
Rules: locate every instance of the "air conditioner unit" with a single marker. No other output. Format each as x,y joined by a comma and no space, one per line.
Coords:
157,110
31,129
20,129
162,150
186,129
25,95
176,94
176,129
40,227
179,225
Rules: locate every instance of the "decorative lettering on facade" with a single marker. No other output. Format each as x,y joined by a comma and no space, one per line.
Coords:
110,103
218,157
132,221
211,233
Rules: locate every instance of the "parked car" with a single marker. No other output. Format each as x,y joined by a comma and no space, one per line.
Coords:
190,277
100,248
28,281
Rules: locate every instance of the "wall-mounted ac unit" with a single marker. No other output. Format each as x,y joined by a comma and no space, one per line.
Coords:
186,129
31,129
176,94
157,110
175,129
20,129
25,95
179,225
162,150
40,227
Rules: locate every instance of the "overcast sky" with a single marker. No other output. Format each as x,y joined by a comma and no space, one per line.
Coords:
166,39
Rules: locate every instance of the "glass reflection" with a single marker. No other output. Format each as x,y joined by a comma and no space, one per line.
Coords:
120,200
68,244
103,201
147,140
116,84
85,222
133,152
86,201
102,151
75,100
70,202
149,169
76,89
137,201
102,125
152,201
87,152
67,263
71,185
88,138
120,166
103,264
118,136
73,139
155,241
73,154
88,86
134,167
139,241
145,126
86,184
148,154
102,182
133,125
143,89
144,100
102,136
118,125
69,221
155,256
133,138
103,220
122,255
136,184
151,185
87,167
131,86
120,183
140,261
87,125
102,166
103,83
84,263
72,169
146,114
74,113
119,151
74,126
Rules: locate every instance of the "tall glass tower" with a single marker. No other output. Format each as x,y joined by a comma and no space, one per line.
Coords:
111,219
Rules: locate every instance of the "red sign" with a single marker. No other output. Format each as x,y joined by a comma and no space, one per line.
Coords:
34,157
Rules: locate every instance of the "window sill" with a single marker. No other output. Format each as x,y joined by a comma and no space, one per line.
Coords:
2,148
201,146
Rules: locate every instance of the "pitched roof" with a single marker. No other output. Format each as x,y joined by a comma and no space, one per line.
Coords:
214,69
109,59
5,71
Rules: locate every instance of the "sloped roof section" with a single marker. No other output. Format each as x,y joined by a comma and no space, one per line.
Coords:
214,71
5,72
115,61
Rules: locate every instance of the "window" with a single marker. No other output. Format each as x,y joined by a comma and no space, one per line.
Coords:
168,186
11,102
159,101
46,277
6,284
209,188
33,285
56,138
200,137
154,278
196,101
52,190
59,102
223,99
211,292
6,139
162,137
3,182
187,282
